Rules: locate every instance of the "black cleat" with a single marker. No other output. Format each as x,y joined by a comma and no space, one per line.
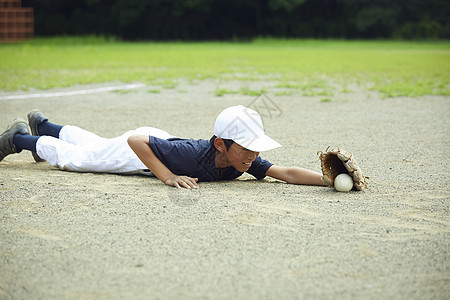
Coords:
6,138
35,117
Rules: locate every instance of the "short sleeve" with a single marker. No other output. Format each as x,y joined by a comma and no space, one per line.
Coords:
180,158
193,158
259,168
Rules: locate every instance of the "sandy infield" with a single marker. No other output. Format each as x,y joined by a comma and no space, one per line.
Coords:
69,235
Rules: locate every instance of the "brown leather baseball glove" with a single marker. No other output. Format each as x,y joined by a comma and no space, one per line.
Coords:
337,161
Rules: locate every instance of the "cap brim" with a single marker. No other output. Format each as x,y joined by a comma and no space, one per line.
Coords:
258,144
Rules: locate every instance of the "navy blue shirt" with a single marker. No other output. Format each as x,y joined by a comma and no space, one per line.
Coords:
196,158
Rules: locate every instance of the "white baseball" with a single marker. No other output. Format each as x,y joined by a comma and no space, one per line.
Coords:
343,182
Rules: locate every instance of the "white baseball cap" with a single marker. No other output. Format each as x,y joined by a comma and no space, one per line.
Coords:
244,126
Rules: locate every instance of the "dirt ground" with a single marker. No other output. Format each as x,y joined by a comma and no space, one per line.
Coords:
67,235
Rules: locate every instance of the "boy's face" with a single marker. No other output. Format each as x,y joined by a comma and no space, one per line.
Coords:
240,158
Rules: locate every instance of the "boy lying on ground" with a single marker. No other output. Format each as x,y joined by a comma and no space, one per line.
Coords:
234,149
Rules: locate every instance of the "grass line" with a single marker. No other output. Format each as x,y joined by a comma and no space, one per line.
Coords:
392,67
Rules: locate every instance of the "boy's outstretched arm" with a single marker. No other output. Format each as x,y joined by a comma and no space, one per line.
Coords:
139,144
296,175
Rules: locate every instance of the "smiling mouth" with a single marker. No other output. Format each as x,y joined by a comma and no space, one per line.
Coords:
247,164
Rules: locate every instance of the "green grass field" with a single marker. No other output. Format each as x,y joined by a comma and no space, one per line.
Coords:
312,67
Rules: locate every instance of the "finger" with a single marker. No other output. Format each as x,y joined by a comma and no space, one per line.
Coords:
193,182
177,185
185,184
196,184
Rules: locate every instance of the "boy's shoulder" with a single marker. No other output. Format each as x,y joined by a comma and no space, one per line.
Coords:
187,148
180,141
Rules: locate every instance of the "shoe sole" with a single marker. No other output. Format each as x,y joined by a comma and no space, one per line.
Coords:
33,128
14,123
23,130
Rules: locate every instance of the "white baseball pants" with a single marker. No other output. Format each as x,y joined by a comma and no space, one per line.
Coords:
83,151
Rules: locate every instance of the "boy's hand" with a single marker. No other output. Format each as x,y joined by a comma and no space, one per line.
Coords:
182,181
